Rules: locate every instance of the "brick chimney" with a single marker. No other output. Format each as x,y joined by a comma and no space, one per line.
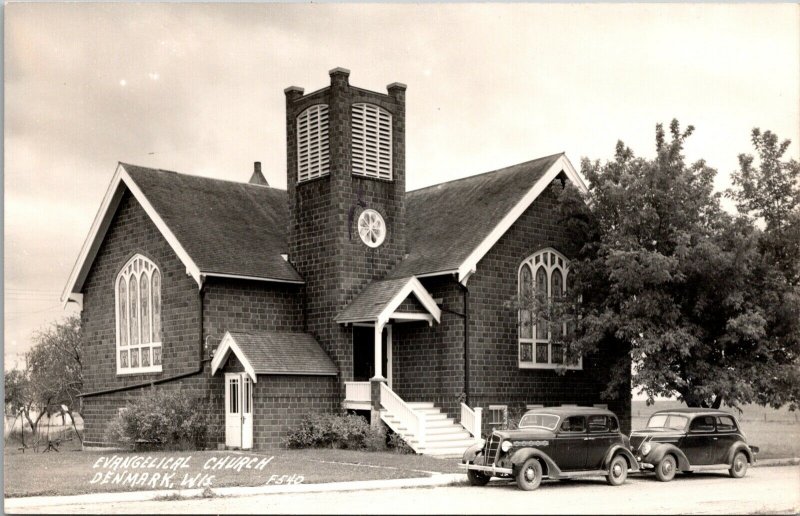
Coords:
258,178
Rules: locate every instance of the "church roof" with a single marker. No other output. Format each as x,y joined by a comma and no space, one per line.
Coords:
229,229
281,353
447,222
379,300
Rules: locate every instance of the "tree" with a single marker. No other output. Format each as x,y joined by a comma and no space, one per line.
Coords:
664,276
18,398
55,371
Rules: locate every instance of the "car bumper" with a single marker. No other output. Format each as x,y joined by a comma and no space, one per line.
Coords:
488,469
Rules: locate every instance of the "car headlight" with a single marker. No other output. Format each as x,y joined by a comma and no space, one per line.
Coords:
507,445
646,448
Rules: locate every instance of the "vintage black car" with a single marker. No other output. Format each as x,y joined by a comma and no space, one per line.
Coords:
555,443
692,439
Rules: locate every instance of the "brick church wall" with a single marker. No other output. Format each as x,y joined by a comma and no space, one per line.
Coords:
428,362
228,305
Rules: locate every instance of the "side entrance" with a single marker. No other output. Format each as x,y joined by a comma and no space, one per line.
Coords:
238,410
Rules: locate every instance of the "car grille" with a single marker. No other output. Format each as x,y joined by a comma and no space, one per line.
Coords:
490,450
636,441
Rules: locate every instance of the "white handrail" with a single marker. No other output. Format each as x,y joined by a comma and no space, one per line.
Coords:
471,419
357,391
412,420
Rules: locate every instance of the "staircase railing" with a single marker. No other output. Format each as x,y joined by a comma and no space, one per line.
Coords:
412,420
471,419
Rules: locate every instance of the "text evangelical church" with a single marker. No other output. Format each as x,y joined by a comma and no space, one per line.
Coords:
343,292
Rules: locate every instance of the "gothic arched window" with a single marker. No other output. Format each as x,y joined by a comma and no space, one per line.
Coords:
542,276
138,303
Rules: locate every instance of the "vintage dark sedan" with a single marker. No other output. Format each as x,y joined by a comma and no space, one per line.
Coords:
692,439
555,443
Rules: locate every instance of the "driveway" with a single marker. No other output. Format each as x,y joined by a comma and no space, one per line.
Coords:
764,490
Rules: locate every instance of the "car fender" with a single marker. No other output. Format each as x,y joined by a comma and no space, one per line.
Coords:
471,453
523,454
661,449
741,446
621,450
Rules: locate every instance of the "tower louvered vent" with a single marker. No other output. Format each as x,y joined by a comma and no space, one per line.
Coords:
372,141
312,143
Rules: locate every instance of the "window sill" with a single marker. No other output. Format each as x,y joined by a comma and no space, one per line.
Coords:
528,365
139,370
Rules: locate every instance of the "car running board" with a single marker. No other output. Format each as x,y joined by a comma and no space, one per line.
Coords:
709,466
575,474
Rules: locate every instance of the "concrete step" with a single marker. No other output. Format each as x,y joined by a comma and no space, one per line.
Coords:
428,411
459,443
454,436
445,429
420,404
457,451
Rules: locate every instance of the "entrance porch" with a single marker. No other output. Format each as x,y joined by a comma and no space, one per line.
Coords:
383,308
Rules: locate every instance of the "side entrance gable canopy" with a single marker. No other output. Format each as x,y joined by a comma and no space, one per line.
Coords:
380,300
274,353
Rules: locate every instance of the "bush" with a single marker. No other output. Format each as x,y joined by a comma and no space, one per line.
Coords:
398,445
161,419
331,431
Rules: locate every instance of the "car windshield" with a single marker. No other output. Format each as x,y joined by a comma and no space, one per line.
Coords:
671,421
547,421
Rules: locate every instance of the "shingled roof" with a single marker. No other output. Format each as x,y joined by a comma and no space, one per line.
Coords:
379,299
229,228
277,353
447,222
224,228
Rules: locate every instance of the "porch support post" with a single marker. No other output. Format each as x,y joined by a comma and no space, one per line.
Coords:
376,381
379,352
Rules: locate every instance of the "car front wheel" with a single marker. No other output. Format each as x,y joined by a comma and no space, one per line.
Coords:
617,471
665,470
478,478
529,475
739,465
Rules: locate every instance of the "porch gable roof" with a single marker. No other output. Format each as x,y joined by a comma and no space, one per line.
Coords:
379,300
274,353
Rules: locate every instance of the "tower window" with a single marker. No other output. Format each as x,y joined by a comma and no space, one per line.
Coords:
312,143
372,141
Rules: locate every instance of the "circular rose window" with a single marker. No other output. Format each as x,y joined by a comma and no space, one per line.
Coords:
371,228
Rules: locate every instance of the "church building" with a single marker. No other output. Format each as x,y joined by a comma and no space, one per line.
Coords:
344,292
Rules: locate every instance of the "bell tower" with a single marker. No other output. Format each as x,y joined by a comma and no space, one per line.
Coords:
346,183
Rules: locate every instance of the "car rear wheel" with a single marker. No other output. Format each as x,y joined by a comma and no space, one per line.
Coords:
739,465
617,471
665,470
529,475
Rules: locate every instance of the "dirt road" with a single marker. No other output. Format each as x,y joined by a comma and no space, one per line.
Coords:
764,490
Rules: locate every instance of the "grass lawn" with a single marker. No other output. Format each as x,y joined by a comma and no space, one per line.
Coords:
71,471
775,431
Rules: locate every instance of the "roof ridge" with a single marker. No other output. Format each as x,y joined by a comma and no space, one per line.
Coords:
162,170
485,173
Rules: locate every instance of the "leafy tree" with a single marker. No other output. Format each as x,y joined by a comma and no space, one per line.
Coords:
18,396
665,279
55,371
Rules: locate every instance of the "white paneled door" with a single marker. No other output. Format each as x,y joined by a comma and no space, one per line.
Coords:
238,410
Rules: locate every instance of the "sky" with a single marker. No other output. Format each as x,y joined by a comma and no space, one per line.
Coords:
198,88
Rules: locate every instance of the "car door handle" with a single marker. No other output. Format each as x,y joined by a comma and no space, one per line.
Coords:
588,438
715,438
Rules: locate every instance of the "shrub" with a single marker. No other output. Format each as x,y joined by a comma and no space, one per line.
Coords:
331,431
398,445
161,419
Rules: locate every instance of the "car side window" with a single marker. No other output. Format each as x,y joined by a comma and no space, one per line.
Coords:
574,424
613,424
598,424
702,424
725,424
